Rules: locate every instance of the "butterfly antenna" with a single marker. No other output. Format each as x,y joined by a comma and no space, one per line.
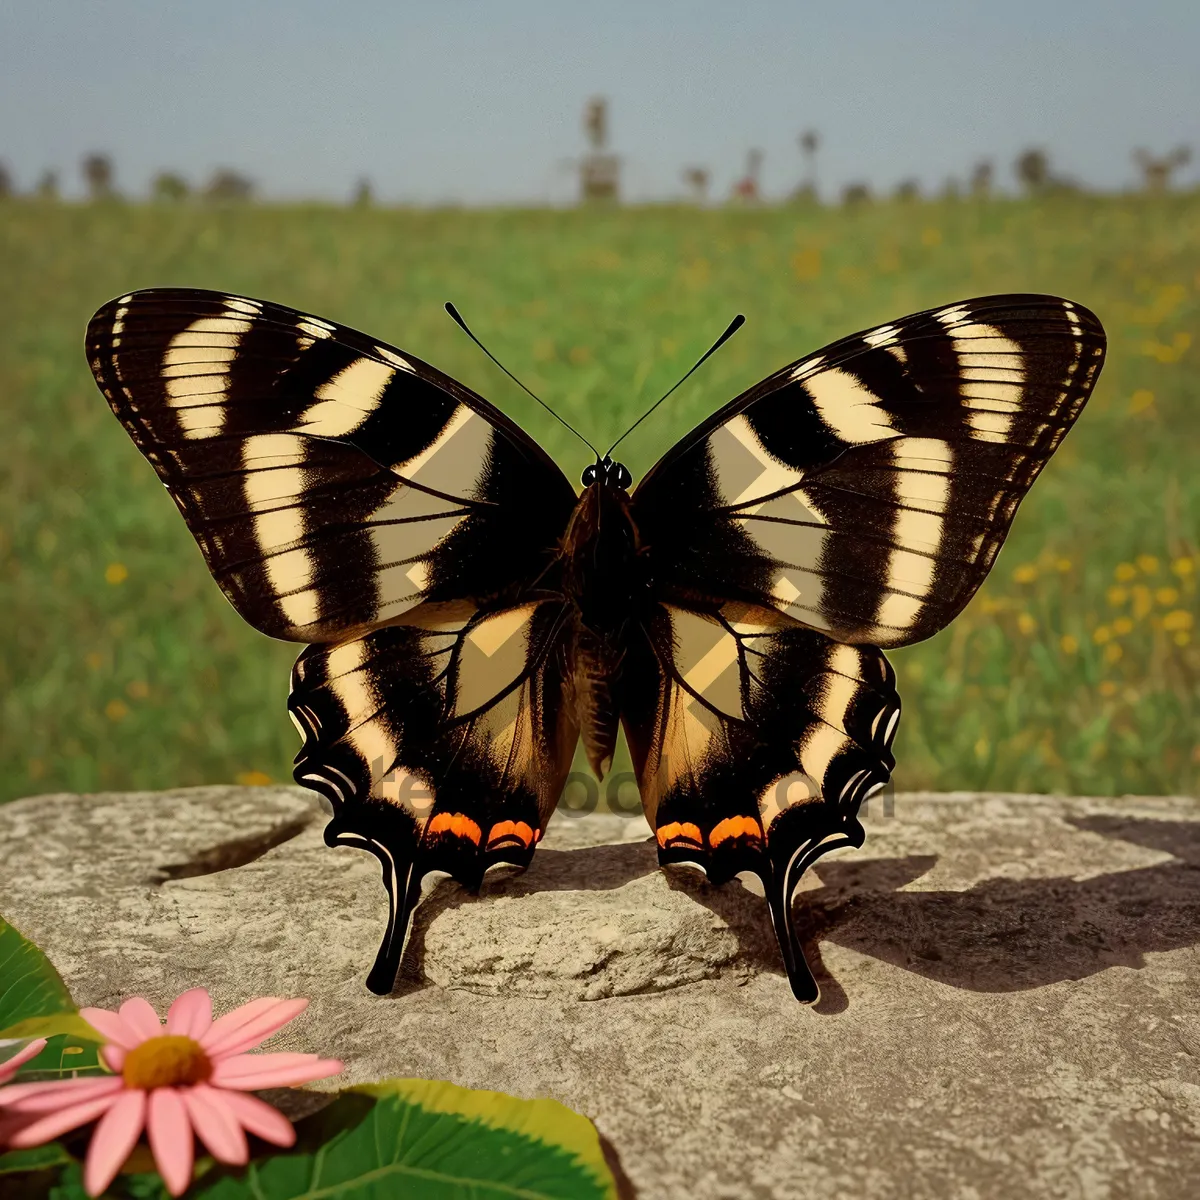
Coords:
734,326
463,326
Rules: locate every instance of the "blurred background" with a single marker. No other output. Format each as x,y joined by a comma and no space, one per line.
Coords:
599,189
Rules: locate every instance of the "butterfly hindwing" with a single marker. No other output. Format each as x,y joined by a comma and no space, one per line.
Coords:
443,744
332,482
755,742
866,490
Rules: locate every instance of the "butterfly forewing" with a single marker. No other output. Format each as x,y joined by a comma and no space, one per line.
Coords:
866,490
332,482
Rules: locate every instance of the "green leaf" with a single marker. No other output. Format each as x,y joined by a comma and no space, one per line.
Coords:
29,986
36,1158
428,1141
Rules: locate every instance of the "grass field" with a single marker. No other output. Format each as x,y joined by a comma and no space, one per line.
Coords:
1076,669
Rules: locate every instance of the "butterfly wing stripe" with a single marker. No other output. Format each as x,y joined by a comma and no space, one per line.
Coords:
331,482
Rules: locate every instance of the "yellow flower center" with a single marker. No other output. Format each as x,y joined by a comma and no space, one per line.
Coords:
166,1061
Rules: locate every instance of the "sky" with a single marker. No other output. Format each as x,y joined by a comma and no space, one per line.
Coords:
480,101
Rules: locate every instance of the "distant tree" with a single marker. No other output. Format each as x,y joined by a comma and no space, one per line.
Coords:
746,189
6,182
599,171
809,142
595,122
1032,168
228,187
951,189
169,188
908,190
364,195
981,179
98,175
1157,172
856,194
47,186
696,179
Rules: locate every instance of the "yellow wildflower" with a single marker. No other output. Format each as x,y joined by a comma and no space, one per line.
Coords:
981,749
94,660
116,573
931,237
1142,603
1113,652
139,689
1117,596
806,264
1122,626
1167,596
253,778
1182,638
1125,572
1140,401
116,710
1063,565
1178,620
1101,634
1025,573
1026,624
1068,644
1146,563
1183,567
1107,688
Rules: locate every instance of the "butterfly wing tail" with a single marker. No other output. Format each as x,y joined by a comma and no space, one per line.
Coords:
791,850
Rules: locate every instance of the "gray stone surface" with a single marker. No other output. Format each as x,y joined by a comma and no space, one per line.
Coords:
1011,984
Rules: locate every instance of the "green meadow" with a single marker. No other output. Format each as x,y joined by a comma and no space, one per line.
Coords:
1076,668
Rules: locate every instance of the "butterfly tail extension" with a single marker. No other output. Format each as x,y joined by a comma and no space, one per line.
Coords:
790,855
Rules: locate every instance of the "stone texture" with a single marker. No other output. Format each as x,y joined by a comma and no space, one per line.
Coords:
1010,984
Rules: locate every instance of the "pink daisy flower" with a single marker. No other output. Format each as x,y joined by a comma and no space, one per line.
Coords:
192,1076
8,1068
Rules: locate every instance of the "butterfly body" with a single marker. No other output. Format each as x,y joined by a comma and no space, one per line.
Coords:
470,616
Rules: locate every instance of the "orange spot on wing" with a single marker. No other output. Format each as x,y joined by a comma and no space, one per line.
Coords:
733,827
676,831
508,831
456,824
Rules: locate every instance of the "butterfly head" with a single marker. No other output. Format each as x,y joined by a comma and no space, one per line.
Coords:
605,471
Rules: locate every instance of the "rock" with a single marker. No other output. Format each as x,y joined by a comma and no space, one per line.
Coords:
1010,1000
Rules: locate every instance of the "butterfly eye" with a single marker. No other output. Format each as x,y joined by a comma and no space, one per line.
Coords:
622,476
589,475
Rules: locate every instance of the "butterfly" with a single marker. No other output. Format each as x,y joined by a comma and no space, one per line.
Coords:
470,615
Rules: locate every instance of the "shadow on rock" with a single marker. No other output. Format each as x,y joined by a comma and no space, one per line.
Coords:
1001,935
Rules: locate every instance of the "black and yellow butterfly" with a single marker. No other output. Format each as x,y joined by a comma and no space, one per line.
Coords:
471,616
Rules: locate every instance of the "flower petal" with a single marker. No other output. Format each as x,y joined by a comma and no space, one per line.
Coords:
47,1128
260,1118
51,1094
170,1138
249,1072
111,1026
8,1068
138,1013
215,1124
114,1056
255,1021
112,1140
190,1014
